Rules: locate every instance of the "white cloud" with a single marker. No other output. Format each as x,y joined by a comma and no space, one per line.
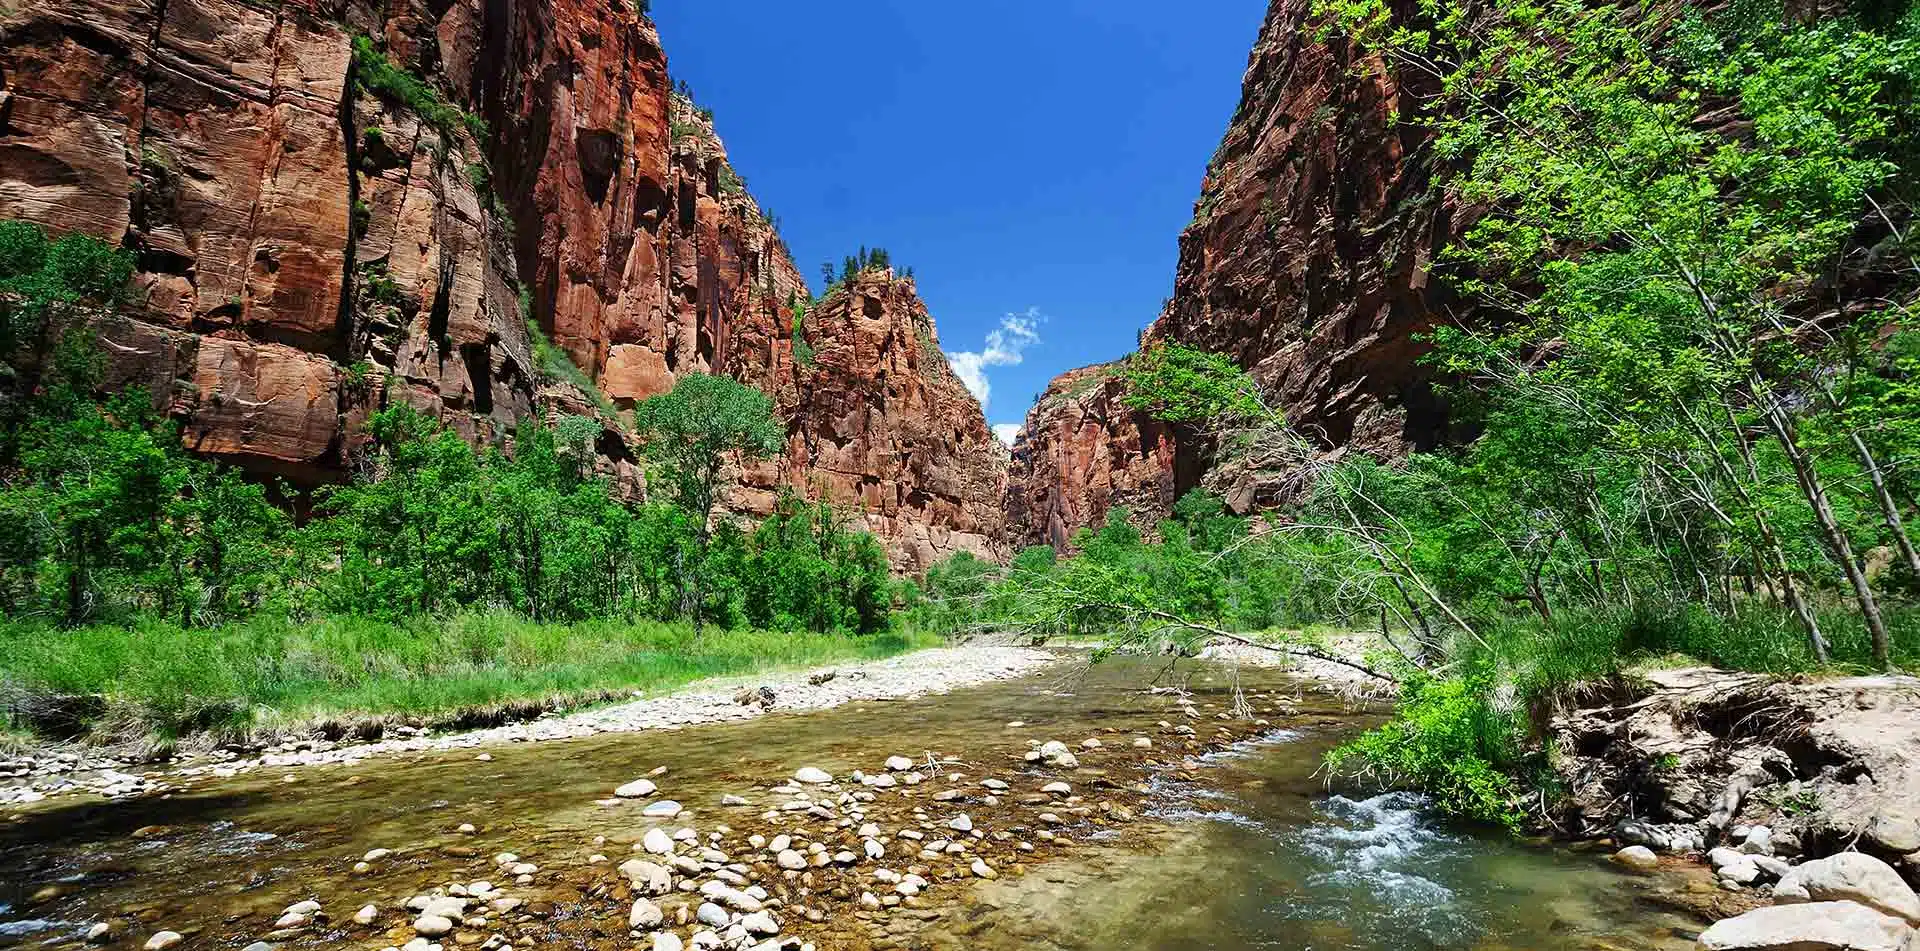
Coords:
1006,431
1006,346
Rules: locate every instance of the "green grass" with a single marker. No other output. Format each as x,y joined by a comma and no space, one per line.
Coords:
1588,645
158,680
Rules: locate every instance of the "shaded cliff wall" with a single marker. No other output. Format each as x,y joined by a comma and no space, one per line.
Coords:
1308,261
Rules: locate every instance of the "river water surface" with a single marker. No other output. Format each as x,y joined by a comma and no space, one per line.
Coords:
1244,847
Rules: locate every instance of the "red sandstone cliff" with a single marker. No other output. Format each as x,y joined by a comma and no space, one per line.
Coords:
1307,261
878,419
1083,452
311,250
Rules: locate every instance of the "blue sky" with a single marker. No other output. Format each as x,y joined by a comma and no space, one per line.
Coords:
1032,160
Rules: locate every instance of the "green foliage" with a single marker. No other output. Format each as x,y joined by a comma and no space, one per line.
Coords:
377,74
854,265
692,432
1183,385
555,365
802,350
1450,739
103,514
40,276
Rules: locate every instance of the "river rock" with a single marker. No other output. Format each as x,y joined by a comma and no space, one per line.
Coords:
712,915
899,764
638,789
431,926
667,941
760,923
164,939
1060,789
1818,926
812,776
367,915
646,877
1850,876
1142,743
1637,856
1055,753
664,809
657,842
1896,830
961,823
790,860
981,869
645,915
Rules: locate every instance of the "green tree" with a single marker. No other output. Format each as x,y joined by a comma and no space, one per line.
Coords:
691,434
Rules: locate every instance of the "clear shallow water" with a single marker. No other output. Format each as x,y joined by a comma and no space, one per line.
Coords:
1247,850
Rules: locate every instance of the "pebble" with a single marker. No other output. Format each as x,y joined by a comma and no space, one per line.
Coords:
164,939
366,915
812,776
1637,856
899,764
664,809
667,941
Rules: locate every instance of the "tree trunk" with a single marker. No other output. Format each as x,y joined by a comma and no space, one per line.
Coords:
1889,509
1776,552
1836,539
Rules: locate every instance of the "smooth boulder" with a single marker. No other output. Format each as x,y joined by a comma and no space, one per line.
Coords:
1817,926
1637,856
1850,876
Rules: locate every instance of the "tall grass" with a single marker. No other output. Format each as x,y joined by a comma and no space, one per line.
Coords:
158,679
1588,645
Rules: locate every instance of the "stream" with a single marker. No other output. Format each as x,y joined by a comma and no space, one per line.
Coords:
1236,843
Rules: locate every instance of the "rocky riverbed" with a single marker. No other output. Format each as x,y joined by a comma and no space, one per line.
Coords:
1072,807
1068,807
53,771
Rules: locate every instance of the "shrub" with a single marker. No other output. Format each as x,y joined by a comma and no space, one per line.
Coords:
378,75
1450,740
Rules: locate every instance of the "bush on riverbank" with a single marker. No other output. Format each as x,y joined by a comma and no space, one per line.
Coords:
1468,736
155,678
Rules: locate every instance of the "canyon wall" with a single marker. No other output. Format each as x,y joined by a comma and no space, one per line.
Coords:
1308,261
878,419
1083,452
315,242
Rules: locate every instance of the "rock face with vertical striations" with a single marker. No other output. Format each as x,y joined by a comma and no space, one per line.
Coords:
312,249
877,418
1308,261
1082,453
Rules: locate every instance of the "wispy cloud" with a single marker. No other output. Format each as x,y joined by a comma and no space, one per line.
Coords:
1006,346
1006,431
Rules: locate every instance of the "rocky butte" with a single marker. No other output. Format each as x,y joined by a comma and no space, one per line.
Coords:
1308,261
325,227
